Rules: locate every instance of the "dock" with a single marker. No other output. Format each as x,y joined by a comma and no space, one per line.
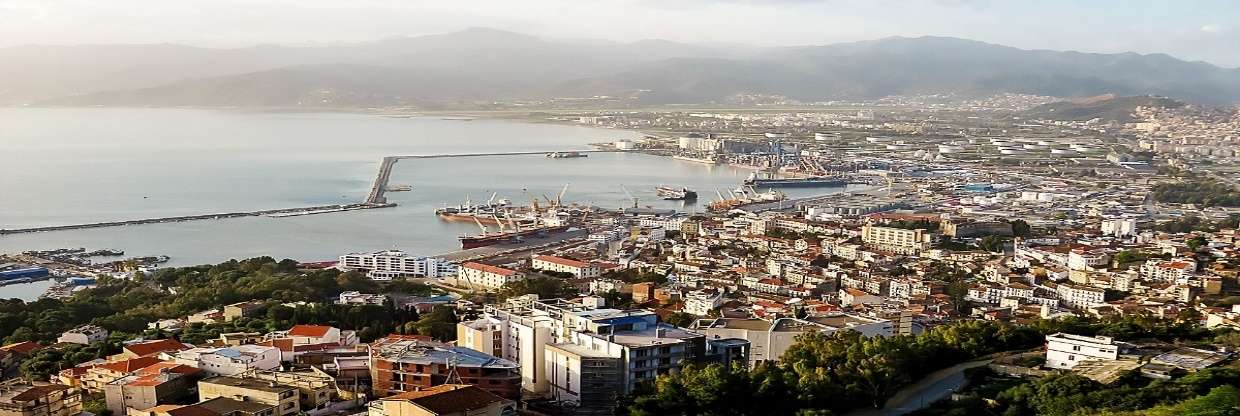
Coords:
377,198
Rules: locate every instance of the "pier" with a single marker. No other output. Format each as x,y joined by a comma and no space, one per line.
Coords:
376,199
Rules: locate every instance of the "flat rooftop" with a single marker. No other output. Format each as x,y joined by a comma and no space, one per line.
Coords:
249,383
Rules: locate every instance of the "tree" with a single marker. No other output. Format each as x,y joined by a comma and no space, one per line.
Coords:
992,243
544,287
681,319
1196,242
1021,228
440,324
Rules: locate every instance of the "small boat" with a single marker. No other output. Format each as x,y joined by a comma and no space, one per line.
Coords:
565,155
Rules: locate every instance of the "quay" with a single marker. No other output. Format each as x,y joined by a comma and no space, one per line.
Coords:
271,212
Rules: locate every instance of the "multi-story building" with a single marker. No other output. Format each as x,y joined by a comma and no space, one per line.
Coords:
1119,227
93,377
443,400
486,276
22,398
1081,259
1175,271
895,240
969,229
401,363
283,398
577,268
702,302
148,349
385,265
241,310
154,385
85,334
231,360
1080,296
1065,351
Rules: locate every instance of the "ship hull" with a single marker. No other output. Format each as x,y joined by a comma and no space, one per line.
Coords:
468,218
468,242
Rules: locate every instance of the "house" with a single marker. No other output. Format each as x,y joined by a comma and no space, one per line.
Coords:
241,310
443,400
231,360
93,378
148,349
85,335
850,296
1065,351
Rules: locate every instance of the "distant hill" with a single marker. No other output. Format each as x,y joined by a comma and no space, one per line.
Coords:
485,64
1106,107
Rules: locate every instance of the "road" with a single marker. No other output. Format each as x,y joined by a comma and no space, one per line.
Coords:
934,387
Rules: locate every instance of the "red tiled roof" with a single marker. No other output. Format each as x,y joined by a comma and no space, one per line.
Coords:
22,347
283,344
171,367
309,330
562,261
450,398
486,268
38,392
155,347
129,365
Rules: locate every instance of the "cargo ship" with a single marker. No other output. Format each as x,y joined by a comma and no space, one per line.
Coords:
565,155
489,239
806,182
488,213
675,194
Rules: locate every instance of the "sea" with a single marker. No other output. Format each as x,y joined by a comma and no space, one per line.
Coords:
79,165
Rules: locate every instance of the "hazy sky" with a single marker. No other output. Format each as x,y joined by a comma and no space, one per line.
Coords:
1199,30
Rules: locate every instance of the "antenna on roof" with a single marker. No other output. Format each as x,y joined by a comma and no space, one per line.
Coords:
453,376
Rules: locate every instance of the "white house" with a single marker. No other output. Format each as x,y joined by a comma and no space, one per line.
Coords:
1065,351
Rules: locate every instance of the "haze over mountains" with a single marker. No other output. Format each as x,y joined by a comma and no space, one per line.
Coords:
483,64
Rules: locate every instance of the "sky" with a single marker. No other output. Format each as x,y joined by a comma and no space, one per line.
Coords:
1207,30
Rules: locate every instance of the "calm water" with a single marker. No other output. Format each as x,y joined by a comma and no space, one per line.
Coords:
65,166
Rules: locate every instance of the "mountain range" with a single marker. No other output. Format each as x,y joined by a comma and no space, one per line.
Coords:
481,65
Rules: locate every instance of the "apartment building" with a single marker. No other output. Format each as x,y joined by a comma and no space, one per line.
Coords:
895,240
283,398
154,385
1080,296
231,360
444,400
702,302
403,363
386,265
22,398
579,269
487,276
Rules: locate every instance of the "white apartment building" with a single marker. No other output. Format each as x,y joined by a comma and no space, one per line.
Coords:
702,302
579,269
486,276
1065,351
386,265
1079,296
85,335
231,360
1119,227
1177,271
1080,259
895,240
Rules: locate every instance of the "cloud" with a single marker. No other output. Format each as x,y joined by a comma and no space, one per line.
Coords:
1213,28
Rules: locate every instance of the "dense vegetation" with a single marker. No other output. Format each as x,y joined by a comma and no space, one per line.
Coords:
1207,392
1202,192
125,307
825,373
830,374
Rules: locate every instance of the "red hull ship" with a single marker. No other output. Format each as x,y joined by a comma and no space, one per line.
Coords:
475,241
